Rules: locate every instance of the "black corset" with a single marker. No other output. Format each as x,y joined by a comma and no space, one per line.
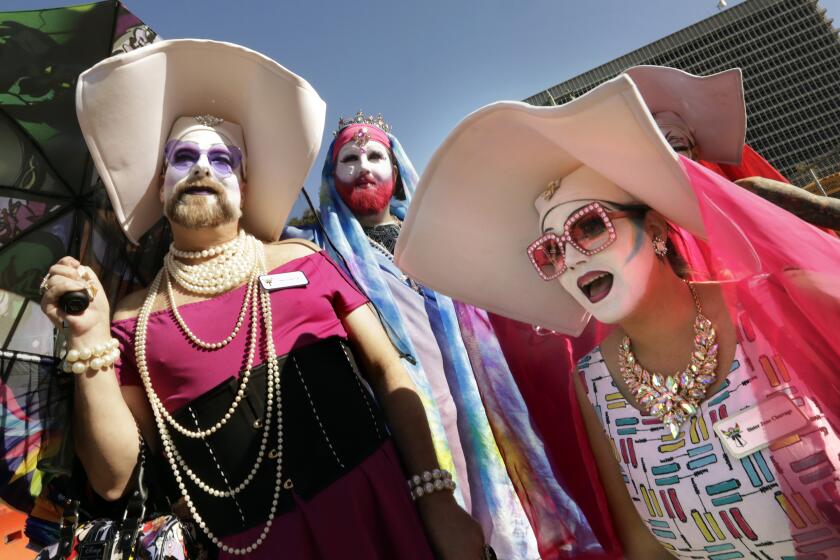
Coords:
331,423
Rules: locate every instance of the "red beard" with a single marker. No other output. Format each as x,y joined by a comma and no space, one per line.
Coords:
364,200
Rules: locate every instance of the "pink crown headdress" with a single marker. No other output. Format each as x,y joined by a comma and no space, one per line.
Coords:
360,118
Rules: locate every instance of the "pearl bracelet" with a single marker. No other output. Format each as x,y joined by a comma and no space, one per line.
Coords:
80,360
430,481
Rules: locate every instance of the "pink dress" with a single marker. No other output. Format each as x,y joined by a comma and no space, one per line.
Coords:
367,513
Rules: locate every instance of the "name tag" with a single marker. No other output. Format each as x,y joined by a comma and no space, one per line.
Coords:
271,282
757,427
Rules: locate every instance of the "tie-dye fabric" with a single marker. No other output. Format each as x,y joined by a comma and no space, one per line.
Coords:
499,503
562,530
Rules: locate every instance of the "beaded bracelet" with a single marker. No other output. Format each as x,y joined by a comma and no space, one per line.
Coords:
80,360
430,481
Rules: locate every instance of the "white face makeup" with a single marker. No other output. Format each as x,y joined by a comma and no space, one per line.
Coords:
201,184
609,284
354,162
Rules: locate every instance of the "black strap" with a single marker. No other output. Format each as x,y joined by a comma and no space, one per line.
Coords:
73,492
67,528
127,529
135,509
331,424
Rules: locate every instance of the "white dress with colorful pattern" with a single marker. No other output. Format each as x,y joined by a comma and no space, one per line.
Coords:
782,502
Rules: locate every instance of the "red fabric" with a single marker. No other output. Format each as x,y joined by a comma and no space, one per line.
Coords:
541,365
301,315
695,251
786,276
367,514
347,134
752,165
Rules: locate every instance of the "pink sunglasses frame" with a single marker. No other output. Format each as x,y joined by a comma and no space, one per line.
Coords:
593,207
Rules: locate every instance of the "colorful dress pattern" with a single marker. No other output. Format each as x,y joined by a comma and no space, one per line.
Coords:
781,502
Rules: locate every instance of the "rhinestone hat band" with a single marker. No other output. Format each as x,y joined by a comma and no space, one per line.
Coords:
208,120
373,120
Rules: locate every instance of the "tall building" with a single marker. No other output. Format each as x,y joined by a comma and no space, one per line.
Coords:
789,53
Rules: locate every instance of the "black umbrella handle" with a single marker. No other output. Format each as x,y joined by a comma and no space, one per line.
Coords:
74,303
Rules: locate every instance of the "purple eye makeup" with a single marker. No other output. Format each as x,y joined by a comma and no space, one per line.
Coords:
183,155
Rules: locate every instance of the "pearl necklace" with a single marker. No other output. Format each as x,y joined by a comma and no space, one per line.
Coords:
211,252
243,384
673,398
274,393
220,273
253,294
228,339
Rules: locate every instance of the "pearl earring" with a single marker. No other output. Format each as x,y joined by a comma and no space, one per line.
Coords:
659,246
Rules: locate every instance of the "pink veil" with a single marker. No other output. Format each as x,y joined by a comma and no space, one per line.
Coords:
785,277
695,251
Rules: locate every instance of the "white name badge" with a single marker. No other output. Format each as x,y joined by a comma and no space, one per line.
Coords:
271,282
758,426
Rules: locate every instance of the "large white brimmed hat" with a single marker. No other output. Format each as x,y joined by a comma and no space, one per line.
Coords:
712,106
127,105
473,214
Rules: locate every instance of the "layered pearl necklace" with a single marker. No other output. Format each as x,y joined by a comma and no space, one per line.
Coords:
228,266
215,276
674,398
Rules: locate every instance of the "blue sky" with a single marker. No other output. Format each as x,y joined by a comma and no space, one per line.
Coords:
424,64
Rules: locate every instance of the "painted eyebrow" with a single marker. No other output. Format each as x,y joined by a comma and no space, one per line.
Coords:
348,148
218,148
570,213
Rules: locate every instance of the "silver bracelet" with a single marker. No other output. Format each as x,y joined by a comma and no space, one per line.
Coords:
429,482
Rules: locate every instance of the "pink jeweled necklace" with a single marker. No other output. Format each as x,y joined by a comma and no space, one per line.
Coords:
674,398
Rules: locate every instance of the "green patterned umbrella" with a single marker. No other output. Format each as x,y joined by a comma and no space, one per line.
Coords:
51,204
51,201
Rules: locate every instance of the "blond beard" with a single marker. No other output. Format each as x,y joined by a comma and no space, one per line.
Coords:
201,211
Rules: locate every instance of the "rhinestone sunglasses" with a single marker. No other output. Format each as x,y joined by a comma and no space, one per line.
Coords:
589,230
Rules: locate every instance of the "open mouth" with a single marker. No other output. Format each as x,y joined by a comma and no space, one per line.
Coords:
199,190
595,285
